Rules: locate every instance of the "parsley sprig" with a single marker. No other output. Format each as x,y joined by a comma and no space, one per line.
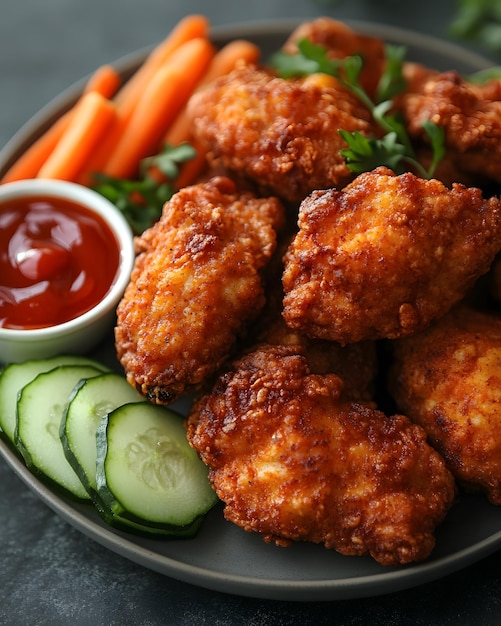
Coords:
141,200
394,149
478,21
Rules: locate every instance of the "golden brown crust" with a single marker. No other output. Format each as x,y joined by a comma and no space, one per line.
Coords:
386,256
469,115
294,460
195,287
342,41
281,134
448,380
356,364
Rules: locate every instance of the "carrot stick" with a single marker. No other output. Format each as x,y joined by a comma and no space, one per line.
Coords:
225,60
191,170
190,27
32,159
92,116
105,80
162,99
96,163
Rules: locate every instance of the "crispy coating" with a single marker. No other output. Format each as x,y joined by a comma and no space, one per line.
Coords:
448,380
195,286
386,256
281,134
342,41
356,364
294,461
470,116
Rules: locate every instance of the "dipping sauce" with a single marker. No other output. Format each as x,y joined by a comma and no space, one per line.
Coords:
58,259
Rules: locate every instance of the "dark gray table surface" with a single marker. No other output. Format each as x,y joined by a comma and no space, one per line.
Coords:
50,574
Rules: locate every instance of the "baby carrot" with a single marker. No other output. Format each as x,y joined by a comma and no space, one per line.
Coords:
225,60
190,27
105,80
32,159
96,163
90,120
192,169
163,98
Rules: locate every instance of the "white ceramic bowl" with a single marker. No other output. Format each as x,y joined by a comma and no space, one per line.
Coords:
84,332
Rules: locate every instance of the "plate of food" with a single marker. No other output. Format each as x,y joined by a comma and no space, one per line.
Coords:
445,527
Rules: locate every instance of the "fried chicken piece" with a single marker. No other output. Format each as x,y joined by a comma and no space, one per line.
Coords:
494,280
195,286
295,461
469,115
281,134
356,364
386,256
448,380
342,41
447,170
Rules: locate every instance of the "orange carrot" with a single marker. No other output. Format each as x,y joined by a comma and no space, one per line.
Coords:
96,163
192,169
163,98
190,27
91,118
105,80
32,159
223,62
228,58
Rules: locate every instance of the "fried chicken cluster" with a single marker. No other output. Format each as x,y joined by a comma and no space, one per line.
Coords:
328,321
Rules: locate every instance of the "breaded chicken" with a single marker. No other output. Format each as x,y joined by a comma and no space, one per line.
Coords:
470,116
448,380
341,41
356,364
195,286
283,135
386,256
293,460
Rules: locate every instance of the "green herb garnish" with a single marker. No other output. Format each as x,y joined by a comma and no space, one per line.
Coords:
483,76
363,154
141,200
478,21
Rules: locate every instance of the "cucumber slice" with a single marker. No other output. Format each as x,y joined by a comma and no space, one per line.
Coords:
151,530
90,400
16,375
146,470
40,409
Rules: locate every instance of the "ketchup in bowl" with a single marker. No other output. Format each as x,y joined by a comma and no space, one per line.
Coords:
58,259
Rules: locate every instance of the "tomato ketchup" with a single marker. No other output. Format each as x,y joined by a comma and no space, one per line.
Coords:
58,259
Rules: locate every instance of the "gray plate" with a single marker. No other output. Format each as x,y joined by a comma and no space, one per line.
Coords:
223,557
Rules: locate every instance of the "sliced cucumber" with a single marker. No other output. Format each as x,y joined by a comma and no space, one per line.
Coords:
16,375
158,531
90,400
146,470
40,409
